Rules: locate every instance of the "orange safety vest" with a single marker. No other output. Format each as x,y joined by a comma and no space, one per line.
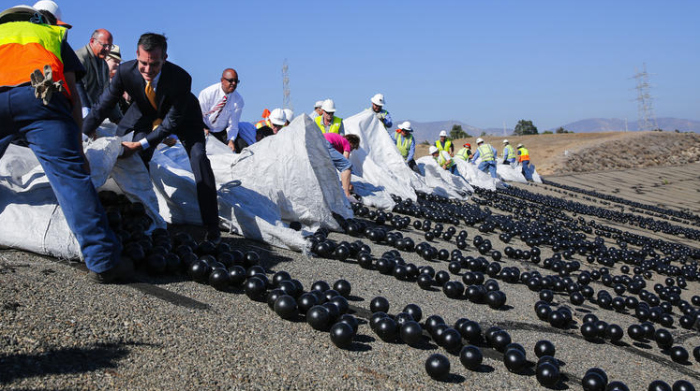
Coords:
25,47
524,154
263,123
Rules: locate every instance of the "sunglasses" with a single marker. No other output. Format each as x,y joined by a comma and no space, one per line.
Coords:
231,81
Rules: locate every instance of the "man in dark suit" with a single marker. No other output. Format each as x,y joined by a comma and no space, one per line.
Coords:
162,105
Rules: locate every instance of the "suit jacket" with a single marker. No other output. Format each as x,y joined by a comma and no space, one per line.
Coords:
95,80
177,106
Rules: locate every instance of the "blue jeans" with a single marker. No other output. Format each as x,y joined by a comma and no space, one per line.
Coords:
53,136
339,161
489,167
527,172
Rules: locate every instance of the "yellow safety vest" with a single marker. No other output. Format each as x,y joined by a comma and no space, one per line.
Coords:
263,123
441,160
509,152
335,125
403,144
524,154
485,152
26,46
448,144
463,154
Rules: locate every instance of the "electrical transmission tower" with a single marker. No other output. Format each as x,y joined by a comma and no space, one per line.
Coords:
286,92
647,120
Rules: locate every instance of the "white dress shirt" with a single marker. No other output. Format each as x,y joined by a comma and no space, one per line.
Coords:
230,114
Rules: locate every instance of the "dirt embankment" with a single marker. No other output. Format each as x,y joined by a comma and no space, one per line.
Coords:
649,149
588,152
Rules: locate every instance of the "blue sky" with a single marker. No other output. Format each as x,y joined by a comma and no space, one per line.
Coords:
481,62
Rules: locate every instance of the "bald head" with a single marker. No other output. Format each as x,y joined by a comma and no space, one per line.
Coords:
101,43
229,80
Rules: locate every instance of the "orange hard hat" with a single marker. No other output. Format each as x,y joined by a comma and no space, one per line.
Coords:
468,145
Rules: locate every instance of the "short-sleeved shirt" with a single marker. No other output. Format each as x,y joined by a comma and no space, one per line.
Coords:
338,142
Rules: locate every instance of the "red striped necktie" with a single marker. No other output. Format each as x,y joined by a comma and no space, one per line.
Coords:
217,109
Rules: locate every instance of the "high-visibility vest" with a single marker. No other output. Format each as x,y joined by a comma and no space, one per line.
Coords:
485,152
509,152
403,144
441,160
524,154
262,123
463,154
335,125
25,47
448,144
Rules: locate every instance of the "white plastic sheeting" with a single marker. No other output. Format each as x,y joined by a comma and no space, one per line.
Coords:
378,161
30,218
473,175
510,173
284,178
443,182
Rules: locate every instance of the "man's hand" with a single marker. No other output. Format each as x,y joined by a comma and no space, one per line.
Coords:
130,148
232,145
169,141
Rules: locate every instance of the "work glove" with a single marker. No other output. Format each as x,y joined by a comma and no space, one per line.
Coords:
44,85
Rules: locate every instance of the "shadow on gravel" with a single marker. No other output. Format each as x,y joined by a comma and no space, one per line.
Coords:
453,378
62,361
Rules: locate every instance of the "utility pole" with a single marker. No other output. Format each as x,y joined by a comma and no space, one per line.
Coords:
504,129
286,92
647,120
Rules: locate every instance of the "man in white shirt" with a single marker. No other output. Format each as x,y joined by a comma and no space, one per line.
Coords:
221,108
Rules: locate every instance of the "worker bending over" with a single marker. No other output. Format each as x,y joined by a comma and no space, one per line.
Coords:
339,148
443,159
488,156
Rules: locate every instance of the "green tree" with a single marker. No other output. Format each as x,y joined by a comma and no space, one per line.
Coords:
525,127
561,130
458,132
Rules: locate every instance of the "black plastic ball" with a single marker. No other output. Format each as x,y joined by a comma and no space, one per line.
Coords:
437,366
342,334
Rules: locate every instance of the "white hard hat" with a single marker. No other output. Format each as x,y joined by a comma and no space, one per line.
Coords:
277,117
432,149
505,141
17,13
406,125
328,106
318,104
378,99
443,133
520,145
48,5
289,114
479,140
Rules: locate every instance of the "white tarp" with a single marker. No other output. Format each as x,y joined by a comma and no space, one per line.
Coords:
30,218
378,161
474,176
510,173
443,182
284,178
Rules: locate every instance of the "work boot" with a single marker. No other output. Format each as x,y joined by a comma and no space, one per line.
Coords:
122,271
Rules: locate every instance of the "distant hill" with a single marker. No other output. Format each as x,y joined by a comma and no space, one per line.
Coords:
618,125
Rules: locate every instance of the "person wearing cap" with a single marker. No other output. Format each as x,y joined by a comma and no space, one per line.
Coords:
317,110
274,123
163,104
378,109
508,153
114,58
221,107
50,123
96,79
406,144
524,159
465,153
328,122
488,155
445,144
443,159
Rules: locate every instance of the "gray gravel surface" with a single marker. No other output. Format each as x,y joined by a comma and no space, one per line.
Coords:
59,331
